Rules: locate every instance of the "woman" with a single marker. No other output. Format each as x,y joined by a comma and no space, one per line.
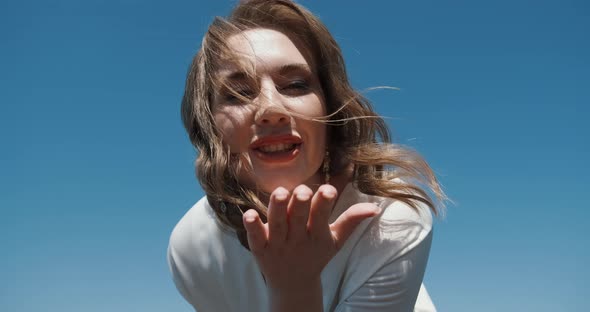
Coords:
308,206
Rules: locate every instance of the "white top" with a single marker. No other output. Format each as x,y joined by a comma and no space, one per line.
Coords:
379,268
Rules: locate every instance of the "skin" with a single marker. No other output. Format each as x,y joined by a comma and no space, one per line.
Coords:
284,82
297,242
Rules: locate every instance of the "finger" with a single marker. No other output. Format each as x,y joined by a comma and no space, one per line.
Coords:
277,216
350,219
256,231
299,212
321,209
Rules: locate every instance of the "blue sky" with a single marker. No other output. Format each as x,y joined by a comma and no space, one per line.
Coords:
96,168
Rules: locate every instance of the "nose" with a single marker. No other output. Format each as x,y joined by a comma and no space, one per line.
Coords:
270,109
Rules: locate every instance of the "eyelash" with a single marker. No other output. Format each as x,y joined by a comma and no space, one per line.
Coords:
297,85
239,93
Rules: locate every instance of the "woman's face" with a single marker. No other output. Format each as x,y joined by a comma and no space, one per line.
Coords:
277,148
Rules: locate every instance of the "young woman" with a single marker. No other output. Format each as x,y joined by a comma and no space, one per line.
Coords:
308,206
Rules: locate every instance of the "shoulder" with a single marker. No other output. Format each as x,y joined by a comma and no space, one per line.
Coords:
399,228
198,254
393,233
199,235
396,242
197,222
396,215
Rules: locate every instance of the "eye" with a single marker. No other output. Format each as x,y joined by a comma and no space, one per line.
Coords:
295,87
298,85
238,94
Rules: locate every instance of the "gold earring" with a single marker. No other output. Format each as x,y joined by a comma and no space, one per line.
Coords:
326,168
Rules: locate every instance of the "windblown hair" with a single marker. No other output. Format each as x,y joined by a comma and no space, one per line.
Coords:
356,134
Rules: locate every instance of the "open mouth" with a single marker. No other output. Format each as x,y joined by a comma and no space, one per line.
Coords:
277,153
277,149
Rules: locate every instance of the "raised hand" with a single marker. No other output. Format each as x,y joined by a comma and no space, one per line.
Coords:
297,242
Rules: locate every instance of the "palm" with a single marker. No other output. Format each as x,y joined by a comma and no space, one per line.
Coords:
297,242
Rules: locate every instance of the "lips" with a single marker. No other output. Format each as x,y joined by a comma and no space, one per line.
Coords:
279,148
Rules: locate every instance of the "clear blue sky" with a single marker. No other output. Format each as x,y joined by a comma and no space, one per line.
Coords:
96,169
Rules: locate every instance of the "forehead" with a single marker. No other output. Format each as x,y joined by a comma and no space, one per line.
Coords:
263,49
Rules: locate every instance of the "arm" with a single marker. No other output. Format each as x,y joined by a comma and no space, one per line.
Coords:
395,286
195,256
386,266
176,275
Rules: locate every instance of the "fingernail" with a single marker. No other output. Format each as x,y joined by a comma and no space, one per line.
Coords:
329,194
303,196
250,219
280,196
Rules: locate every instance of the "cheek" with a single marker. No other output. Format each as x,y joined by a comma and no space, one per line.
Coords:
322,136
316,105
317,139
233,128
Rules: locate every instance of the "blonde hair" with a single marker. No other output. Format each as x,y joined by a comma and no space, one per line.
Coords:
357,135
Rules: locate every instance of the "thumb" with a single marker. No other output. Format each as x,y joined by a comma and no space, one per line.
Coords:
350,219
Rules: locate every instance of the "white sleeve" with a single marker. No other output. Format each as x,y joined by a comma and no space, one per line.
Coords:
177,276
385,269
195,259
395,286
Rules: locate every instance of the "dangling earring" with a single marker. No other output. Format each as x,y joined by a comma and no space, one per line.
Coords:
326,168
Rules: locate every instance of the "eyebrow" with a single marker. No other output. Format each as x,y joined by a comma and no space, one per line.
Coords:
283,69
294,67
236,75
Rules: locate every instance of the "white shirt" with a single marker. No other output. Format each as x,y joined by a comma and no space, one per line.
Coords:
379,268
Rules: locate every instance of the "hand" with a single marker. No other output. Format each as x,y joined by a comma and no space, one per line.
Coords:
298,242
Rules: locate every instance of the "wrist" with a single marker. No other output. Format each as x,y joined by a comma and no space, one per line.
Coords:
306,297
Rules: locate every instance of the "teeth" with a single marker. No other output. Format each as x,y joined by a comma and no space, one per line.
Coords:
281,147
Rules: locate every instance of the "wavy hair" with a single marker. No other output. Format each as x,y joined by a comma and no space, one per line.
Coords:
357,135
